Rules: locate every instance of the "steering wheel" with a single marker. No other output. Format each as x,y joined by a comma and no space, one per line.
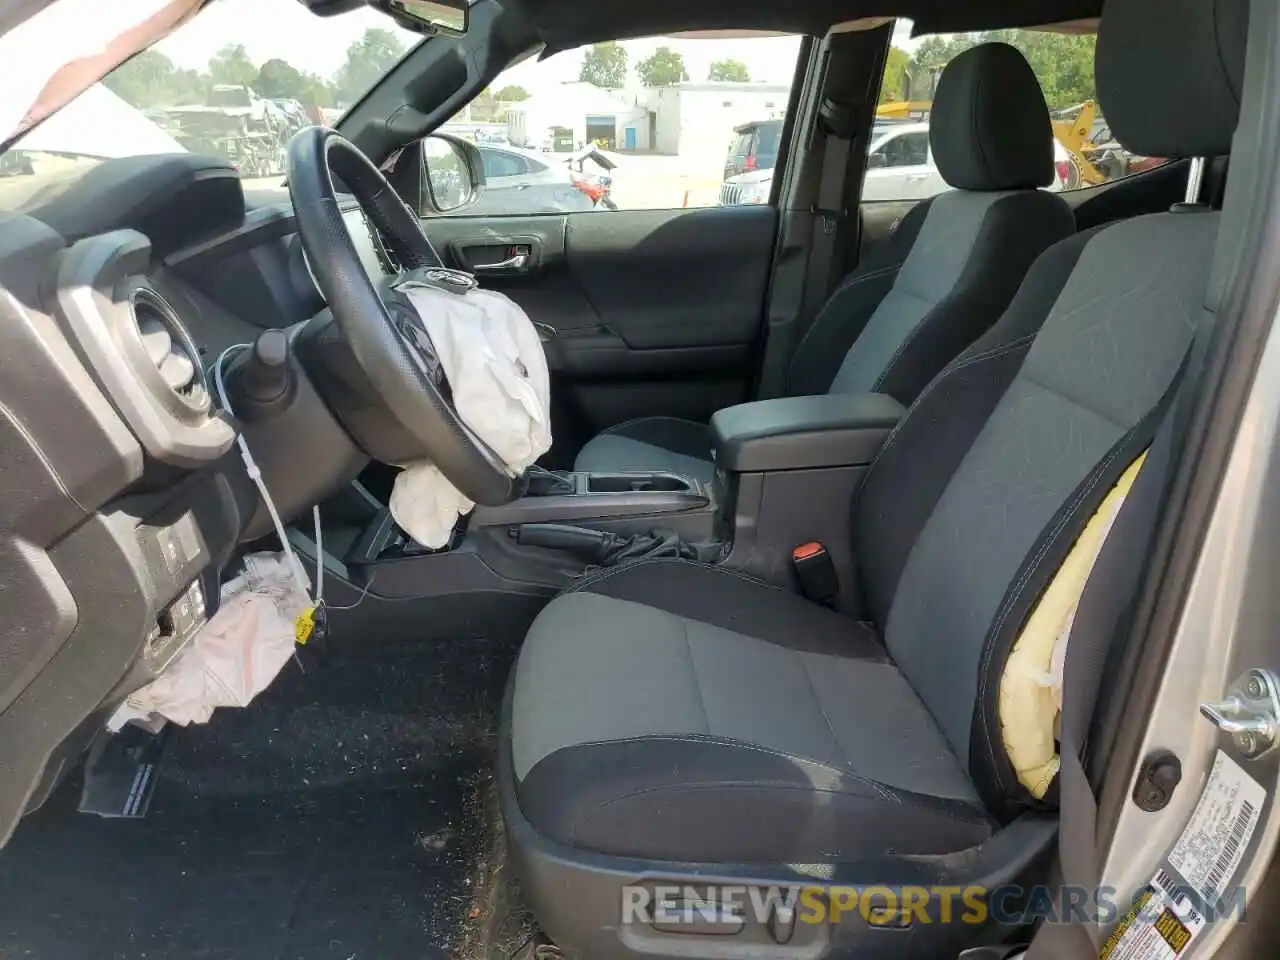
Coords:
401,368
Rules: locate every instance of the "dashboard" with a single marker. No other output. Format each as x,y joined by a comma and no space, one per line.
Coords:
124,497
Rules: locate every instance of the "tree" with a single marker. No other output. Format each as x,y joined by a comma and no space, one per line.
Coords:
485,109
188,86
664,69
367,60
732,70
279,78
1063,63
935,52
930,56
605,65
150,79
511,94
232,65
894,86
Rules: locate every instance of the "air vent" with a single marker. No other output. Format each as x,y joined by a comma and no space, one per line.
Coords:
390,262
169,348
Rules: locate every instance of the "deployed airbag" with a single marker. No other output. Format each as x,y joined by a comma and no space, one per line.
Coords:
1030,702
236,655
493,359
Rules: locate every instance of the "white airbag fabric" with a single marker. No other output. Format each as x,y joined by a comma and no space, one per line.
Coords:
493,358
235,655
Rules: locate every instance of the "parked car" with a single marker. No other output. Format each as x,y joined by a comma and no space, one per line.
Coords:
293,113
754,147
524,181
899,167
746,188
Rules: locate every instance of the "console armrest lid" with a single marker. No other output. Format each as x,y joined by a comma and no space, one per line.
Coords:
800,433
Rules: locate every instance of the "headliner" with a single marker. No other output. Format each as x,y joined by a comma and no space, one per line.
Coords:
563,24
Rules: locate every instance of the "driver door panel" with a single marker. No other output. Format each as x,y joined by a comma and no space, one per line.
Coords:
655,312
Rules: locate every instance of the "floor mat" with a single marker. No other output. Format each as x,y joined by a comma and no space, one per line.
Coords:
340,816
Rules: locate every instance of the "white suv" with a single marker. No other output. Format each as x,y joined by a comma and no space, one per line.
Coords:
899,167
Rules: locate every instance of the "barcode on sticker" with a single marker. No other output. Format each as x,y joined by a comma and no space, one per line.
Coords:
1176,894
1226,859
1212,845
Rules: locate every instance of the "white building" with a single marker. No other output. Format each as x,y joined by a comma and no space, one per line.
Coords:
586,112
686,119
698,118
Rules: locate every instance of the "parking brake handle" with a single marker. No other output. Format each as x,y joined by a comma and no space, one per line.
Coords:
589,545
604,549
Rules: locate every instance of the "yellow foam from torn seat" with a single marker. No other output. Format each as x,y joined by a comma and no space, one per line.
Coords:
1031,688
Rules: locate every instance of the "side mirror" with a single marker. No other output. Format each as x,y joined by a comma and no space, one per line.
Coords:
452,172
876,161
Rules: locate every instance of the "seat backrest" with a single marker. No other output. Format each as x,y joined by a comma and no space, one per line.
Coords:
979,494
956,260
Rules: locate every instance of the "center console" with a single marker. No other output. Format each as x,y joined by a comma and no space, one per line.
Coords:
786,473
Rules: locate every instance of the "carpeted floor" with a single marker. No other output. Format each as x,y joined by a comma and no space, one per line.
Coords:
342,816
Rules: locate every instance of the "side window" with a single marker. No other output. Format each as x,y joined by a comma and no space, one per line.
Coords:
902,150
1084,152
498,164
657,123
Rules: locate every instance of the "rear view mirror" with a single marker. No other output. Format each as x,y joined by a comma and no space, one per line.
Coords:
452,171
447,17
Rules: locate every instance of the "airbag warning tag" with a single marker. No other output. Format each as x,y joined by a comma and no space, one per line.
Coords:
1159,926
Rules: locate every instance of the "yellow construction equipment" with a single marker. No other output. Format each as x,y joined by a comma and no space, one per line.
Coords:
1073,126
904,110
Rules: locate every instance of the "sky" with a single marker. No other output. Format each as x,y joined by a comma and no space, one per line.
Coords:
285,29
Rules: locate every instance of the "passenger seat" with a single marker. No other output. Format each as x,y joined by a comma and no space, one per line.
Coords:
937,284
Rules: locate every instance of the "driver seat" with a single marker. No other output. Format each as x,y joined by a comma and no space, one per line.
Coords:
670,722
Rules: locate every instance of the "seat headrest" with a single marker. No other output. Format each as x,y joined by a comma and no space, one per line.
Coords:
1169,74
989,127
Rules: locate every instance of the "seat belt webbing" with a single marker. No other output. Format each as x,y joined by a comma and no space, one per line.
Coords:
827,216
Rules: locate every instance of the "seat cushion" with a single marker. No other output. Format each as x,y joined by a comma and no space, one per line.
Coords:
674,732
667,444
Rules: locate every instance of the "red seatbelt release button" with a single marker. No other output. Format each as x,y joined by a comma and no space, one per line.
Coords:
816,573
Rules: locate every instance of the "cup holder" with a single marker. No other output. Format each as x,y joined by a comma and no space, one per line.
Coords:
636,483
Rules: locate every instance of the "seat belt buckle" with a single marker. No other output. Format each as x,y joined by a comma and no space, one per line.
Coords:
816,573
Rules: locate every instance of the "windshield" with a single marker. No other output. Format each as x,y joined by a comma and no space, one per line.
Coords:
212,87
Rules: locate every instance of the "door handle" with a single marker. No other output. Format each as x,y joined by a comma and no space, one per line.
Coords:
518,263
